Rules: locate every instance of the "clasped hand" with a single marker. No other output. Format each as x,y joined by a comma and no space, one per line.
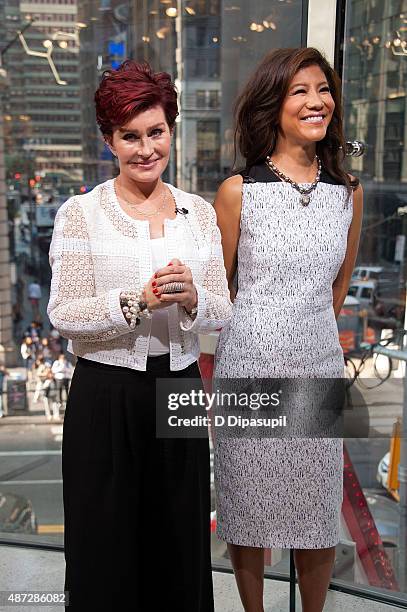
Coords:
174,272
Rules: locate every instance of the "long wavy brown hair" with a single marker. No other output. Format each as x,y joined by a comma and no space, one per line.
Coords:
258,108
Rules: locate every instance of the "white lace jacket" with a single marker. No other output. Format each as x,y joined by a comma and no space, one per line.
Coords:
97,251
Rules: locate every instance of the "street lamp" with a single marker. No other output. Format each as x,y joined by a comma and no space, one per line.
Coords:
8,350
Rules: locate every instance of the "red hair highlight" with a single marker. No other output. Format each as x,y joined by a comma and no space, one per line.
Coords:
130,89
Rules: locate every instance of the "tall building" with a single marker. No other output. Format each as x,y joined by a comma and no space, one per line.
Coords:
103,45
201,97
209,47
8,353
182,38
17,128
248,31
154,37
42,107
375,100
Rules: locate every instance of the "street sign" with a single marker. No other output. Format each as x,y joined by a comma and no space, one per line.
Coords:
399,250
16,397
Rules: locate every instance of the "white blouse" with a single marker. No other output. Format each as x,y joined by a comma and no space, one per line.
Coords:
159,338
97,251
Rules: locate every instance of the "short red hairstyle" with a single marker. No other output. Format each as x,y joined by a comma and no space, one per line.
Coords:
130,89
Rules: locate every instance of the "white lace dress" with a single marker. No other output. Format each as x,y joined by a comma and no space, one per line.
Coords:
284,493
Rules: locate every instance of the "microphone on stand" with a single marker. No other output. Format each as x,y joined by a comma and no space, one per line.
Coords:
181,211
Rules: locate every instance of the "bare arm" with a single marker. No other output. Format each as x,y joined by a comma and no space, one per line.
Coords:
341,284
228,206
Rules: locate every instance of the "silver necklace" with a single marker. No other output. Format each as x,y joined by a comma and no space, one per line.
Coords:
134,206
305,192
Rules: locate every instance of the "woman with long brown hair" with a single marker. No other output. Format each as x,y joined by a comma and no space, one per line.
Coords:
290,225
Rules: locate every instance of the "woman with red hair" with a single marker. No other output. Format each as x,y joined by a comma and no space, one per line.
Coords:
137,274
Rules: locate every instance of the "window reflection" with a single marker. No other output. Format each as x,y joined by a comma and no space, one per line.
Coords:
375,68
53,149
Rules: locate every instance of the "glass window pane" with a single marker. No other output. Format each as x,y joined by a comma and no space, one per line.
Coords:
53,149
375,64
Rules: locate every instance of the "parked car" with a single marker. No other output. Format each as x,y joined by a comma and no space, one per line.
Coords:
17,514
364,291
386,516
351,324
383,470
366,273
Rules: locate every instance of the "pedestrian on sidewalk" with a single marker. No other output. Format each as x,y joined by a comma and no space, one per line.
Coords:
34,296
55,344
34,332
3,373
41,369
62,371
66,381
28,354
45,351
51,396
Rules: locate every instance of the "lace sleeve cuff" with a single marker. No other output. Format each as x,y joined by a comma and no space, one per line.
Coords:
188,323
116,313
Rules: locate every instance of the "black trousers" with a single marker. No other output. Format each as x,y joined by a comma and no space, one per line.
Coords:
137,507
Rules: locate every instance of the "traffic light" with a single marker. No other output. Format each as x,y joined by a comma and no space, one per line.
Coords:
17,176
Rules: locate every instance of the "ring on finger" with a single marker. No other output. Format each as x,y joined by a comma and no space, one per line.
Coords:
173,288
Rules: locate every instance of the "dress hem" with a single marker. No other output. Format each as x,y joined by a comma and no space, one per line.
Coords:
275,543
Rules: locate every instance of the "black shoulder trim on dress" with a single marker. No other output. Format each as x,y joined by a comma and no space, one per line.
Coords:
261,173
258,173
247,178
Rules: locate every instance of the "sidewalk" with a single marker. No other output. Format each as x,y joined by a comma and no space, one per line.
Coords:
35,413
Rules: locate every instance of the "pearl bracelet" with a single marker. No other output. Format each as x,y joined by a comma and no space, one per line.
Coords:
133,307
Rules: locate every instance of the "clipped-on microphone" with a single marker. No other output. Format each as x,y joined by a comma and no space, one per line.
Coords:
181,211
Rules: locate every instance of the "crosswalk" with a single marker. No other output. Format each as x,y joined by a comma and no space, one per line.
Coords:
50,529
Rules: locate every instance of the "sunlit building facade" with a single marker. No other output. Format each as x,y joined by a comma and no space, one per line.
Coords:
43,112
